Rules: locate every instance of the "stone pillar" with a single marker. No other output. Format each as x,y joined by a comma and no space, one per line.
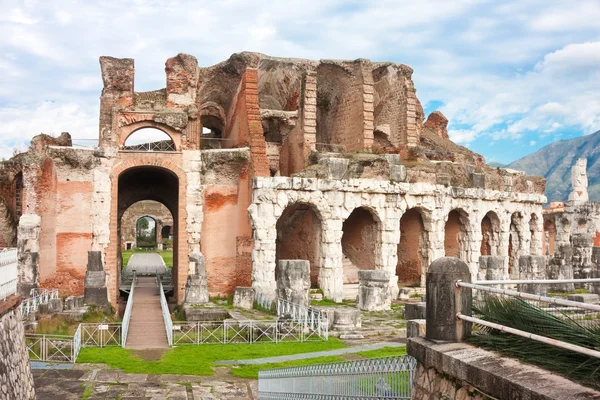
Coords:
582,256
243,297
331,274
95,291
16,379
579,182
491,268
28,247
293,281
445,300
374,292
532,268
196,287
595,287
560,266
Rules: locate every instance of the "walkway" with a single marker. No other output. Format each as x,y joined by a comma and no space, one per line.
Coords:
315,354
146,327
145,264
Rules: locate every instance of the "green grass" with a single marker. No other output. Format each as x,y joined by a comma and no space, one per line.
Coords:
167,256
251,371
566,294
328,302
197,359
383,352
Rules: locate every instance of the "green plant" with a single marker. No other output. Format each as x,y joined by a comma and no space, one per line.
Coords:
518,314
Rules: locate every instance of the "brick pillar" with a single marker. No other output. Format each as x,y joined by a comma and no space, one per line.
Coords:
309,113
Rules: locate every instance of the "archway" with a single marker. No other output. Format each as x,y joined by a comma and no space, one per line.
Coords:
361,243
299,237
455,234
149,139
515,240
490,234
145,233
141,183
549,236
412,248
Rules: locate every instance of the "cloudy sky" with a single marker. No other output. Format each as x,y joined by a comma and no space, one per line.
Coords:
511,76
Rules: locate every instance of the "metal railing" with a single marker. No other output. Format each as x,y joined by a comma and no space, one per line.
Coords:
583,314
38,296
51,348
127,314
313,320
164,145
165,312
8,273
377,378
103,334
264,301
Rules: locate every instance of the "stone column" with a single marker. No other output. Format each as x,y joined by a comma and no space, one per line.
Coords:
532,268
374,292
445,300
95,291
579,182
389,246
474,236
293,281
28,247
196,287
331,274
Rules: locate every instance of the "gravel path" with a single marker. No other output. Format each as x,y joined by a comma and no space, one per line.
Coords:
303,356
145,264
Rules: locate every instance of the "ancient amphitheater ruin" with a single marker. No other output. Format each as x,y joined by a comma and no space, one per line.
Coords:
267,159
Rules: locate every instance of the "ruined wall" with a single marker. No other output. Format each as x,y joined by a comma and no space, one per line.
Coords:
149,208
16,379
335,200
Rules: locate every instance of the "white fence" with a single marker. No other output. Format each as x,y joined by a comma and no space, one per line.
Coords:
8,273
313,320
377,378
127,314
39,296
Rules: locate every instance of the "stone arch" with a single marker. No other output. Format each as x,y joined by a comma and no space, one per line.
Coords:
412,248
549,235
456,234
490,234
515,244
154,162
127,131
212,123
299,237
361,243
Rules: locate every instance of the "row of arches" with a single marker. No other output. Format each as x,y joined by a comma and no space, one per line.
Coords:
300,236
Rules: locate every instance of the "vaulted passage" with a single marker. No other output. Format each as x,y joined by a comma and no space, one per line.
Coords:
412,248
455,234
148,183
299,237
360,243
490,234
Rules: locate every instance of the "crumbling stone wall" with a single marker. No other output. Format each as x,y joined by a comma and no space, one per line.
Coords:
145,208
335,200
16,379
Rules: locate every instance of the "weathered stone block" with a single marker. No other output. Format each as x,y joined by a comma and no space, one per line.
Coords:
374,291
532,268
293,281
415,311
478,180
73,302
492,268
336,167
95,261
243,297
205,314
398,173
51,307
346,319
415,328
196,286
589,298
443,303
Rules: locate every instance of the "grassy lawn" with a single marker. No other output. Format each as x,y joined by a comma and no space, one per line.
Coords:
167,256
251,371
60,325
197,360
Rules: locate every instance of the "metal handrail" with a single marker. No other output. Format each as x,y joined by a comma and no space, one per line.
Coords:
165,312
536,281
127,314
309,317
8,256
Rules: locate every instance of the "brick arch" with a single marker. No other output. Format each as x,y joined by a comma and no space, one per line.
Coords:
362,238
126,131
456,232
180,270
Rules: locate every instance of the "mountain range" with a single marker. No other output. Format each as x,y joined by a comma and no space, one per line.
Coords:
554,162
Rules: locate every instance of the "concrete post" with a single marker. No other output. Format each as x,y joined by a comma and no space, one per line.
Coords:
445,300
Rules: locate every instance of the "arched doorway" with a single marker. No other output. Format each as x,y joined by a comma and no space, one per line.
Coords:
490,234
455,234
149,139
299,237
141,183
361,244
412,249
145,233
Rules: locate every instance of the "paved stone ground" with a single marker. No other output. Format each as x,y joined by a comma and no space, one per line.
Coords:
145,264
97,383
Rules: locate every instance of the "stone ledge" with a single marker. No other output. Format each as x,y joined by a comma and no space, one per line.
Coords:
9,304
494,375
